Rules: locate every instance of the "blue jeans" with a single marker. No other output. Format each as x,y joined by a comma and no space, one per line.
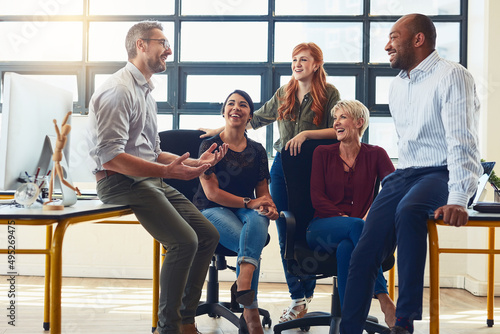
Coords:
298,287
341,233
243,231
398,216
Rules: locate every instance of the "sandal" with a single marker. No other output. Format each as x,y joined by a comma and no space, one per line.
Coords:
291,313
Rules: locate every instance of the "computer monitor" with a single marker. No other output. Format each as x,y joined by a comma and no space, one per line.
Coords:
28,110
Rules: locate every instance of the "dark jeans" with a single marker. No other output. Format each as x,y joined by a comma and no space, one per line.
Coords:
298,288
398,216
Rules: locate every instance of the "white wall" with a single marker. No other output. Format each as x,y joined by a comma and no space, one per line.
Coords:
126,251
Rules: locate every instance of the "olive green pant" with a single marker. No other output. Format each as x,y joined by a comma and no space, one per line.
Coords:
189,238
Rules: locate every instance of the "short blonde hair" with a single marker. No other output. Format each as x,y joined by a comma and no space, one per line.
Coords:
356,110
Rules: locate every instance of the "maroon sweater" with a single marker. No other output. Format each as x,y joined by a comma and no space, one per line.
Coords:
335,192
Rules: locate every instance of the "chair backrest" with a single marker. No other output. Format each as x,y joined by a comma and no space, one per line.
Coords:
297,171
180,142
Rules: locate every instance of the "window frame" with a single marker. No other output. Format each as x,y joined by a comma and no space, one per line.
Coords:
270,71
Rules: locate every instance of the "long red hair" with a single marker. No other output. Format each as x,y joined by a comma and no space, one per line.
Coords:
318,87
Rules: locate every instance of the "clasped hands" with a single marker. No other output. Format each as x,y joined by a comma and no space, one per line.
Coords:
265,206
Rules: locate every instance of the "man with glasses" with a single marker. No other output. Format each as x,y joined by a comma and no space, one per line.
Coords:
129,168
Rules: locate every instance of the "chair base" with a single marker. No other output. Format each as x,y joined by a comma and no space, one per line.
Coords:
326,319
331,319
216,309
311,319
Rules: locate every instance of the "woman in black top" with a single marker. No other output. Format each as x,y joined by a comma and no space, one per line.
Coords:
234,196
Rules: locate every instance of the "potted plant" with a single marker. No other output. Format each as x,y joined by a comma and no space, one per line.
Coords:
495,183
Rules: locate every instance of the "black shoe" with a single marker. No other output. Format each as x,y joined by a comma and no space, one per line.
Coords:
244,297
399,330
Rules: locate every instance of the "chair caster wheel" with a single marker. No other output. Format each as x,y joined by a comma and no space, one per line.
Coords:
305,328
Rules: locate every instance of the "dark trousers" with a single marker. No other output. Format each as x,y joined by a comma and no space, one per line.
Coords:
298,287
398,216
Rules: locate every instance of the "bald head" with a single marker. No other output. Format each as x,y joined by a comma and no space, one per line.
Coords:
418,23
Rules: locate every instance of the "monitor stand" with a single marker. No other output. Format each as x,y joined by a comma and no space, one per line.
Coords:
46,164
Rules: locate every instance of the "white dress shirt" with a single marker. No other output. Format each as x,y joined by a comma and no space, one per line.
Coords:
122,118
436,113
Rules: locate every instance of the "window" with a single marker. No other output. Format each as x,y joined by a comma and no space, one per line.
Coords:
221,45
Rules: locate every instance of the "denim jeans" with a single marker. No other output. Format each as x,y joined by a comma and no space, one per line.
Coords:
397,216
243,231
298,287
342,234
188,237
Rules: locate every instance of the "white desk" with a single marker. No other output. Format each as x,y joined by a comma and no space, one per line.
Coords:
83,211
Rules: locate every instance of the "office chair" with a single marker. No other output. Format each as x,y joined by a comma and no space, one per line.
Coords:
180,142
302,260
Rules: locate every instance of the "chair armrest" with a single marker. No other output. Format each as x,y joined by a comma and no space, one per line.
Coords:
290,234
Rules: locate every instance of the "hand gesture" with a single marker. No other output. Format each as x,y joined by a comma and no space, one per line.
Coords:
178,170
454,215
212,156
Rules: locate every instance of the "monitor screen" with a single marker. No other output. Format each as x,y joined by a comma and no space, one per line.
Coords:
28,110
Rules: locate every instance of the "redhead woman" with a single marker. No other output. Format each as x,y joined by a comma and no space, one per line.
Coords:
302,110
234,196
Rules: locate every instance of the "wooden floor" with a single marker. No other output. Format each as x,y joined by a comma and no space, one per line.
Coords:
124,306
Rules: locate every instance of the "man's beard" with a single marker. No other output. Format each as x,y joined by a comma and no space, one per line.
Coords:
156,66
405,58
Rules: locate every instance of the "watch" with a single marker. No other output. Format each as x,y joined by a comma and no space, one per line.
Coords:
246,200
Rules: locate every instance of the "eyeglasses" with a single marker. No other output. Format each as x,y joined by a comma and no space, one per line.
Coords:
162,41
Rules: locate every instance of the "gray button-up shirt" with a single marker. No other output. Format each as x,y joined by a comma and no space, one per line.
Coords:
122,118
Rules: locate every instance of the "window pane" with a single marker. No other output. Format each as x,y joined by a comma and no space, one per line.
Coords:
35,41
160,82
107,40
224,7
340,42
382,132
221,85
224,41
319,7
345,85
131,7
427,7
382,85
67,82
164,122
447,42
45,8
194,122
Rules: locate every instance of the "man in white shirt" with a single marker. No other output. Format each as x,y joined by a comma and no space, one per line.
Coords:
436,111
129,168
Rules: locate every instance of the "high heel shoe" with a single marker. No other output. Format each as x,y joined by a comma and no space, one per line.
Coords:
244,297
243,325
